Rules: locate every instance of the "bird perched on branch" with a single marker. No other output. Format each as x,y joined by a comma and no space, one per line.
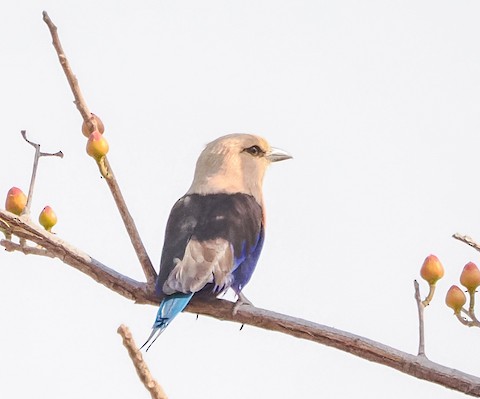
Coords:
215,232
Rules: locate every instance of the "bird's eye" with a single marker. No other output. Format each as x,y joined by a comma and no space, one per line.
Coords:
254,150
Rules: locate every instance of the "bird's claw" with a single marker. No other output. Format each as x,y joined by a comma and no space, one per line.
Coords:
242,300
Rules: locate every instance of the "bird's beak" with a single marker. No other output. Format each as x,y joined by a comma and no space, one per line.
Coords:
275,155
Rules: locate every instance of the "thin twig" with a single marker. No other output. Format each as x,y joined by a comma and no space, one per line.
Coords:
37,156
142,255
471,306
429,297
72,80
421,324
466,322
470,320
467,240
155,389
148,269
474,322
463,320
25,249
417,366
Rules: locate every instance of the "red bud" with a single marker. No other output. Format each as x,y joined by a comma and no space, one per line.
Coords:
97,146
470,277
47,218
455,298
432,270
16,201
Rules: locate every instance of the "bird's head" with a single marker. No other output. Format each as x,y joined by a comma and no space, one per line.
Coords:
235,163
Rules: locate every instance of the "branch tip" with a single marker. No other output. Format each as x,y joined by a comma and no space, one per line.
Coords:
467,240
105,168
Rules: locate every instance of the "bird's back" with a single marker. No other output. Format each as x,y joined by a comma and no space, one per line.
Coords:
236,218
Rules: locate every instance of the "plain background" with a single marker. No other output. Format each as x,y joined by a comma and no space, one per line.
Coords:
378,101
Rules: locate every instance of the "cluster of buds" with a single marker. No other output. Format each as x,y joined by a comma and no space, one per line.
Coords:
16,202
97,145
456,298
432,271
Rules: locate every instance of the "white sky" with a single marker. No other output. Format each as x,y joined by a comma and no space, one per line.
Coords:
379,102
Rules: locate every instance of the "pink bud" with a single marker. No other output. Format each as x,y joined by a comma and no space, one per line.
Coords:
470,277
432,270
455,298
97,146
16,201
47,218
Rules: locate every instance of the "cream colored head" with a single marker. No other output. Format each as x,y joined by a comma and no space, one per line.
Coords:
235,163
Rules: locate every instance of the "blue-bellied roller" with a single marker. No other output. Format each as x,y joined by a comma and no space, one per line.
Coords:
215,232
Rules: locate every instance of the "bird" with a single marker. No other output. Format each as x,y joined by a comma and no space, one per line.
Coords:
215,232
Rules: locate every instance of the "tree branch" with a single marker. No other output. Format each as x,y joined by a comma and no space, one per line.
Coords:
38,155
72,80
82,107
417,366
10,246
25,229
155,389
421,323
467,240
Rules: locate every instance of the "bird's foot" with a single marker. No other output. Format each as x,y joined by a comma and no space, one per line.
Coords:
242,300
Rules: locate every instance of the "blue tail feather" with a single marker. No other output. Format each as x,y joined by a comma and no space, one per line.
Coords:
170,307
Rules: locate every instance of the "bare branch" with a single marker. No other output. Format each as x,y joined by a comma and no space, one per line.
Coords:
421,324
473,322
467,240
155,389
23,228
417,366
35,145
37,156
25,249
106,170
144,259
464,320
72,80
471,306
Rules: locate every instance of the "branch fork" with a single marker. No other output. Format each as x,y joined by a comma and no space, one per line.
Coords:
38,155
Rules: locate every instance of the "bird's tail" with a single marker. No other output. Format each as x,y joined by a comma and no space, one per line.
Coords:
168,310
